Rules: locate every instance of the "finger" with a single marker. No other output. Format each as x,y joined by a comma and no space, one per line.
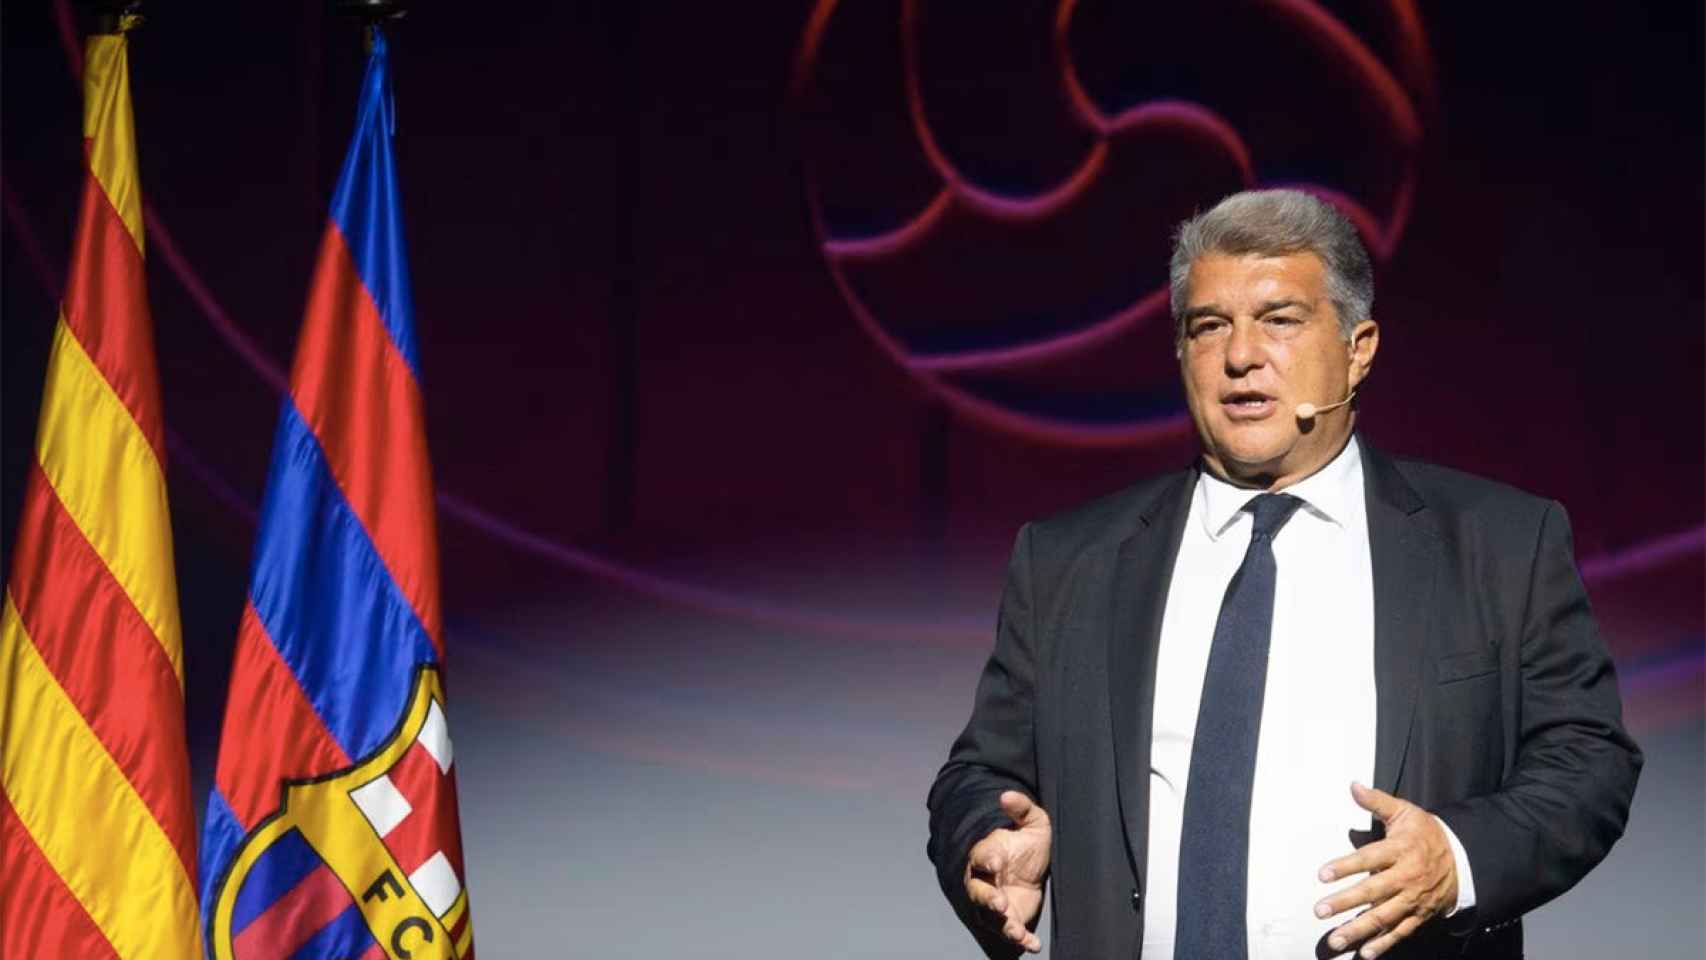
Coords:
1015,931
987,895
987,858
1374,857
1386,941
1017,806
1378,802
1375,889
1372,923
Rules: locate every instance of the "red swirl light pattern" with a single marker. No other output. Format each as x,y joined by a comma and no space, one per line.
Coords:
1048,358
1669,669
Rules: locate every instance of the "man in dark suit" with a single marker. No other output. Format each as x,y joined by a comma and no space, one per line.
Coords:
1193,678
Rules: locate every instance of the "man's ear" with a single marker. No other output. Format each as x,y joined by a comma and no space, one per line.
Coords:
1364,342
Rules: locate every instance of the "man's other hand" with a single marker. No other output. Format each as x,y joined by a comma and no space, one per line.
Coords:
1004,874
1412,877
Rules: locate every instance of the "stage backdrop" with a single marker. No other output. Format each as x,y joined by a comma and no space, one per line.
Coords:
750,334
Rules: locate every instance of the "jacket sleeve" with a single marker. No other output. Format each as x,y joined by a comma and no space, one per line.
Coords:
1566,798
994,753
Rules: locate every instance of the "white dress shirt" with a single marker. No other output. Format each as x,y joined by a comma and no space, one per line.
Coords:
1318,709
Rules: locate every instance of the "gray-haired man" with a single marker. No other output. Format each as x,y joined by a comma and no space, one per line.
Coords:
1301,699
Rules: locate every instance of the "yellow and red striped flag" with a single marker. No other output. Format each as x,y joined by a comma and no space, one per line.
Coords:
97,841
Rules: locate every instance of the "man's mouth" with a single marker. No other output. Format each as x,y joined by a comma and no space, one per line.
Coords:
1248,404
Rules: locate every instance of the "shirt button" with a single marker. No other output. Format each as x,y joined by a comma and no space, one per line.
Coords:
1136,900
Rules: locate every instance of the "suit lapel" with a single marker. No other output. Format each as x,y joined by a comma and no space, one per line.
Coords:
1142,574
1404,551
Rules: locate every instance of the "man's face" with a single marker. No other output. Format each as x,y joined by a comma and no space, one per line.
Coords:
1261,337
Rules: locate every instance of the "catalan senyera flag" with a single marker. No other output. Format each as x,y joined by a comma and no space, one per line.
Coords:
97,837
332,829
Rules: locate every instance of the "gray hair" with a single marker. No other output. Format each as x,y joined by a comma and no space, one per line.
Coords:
1274,223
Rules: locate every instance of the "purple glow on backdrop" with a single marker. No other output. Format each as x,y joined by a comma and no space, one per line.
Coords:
183,454
246,349
1320,25
50,278
1666,672
1645,556
691,596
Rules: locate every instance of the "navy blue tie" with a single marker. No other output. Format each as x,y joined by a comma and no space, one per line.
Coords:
1214,842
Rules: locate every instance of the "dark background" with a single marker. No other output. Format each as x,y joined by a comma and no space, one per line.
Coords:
724,506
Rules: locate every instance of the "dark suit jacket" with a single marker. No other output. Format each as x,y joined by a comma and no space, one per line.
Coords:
1497,708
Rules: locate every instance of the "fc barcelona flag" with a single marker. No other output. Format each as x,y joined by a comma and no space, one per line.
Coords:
331,831
97,839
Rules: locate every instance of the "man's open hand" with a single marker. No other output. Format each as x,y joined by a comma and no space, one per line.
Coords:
1412,877
1004,874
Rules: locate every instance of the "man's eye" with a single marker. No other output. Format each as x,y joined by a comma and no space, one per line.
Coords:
1206,326
1282,320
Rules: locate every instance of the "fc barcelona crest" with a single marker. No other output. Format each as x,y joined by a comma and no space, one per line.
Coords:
363,864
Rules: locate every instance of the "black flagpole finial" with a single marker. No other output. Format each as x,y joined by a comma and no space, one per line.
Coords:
371,11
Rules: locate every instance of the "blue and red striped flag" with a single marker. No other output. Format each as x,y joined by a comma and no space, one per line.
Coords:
332,829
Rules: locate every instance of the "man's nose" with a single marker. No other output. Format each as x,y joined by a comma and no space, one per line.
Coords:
1244,349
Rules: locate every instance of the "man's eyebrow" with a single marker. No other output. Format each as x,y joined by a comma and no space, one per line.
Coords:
1272,305
1206,310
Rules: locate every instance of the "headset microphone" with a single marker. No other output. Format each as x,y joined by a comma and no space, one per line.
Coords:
1308,411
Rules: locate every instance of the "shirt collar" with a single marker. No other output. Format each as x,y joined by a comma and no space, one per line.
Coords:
1332,493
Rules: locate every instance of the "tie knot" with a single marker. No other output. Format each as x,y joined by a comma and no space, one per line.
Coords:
1271,511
